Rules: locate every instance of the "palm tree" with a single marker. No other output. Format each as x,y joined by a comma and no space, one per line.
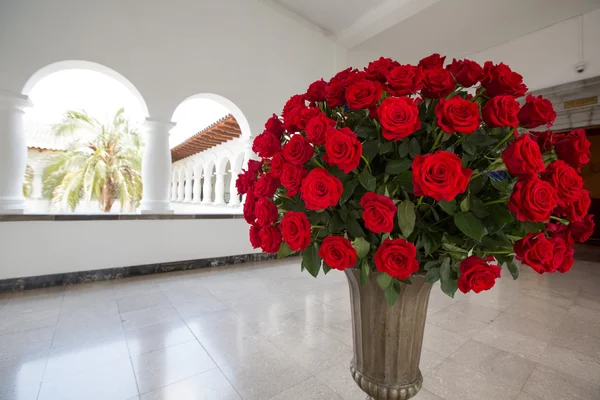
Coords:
28,181
105,168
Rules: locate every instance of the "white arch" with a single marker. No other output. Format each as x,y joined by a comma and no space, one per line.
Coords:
80,64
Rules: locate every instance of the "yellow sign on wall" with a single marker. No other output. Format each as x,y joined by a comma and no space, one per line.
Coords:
581,102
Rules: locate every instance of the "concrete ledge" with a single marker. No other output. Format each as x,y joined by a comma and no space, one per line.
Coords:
110,217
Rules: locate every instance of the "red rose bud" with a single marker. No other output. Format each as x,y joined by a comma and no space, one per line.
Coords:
566,181
379,212
270,239
457,115
523,157
291,112
466,72
501,112
477,274
317,128
320,189
255,236
317,91
266,144
558,229
277,165
296,230
275,126
500,80
343,149
439,175
298,150
573,148
336,94
397,258
577,209
291,178
537,111
399,117
438,83
363,94
404,80
337,252
249,204
582,229
265,211
432,61
343,75
533,200
377,70
544,139
536,251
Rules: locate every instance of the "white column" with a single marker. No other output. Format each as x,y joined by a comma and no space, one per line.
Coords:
220,188
180,188
207,190
156,168
197,189
13,152
234,198
187,197
173,189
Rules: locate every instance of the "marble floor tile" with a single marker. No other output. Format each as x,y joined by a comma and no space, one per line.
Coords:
459,323
21,376
149,316
584,366
547,383
157,337
141,301
163,367
28,320
441,340
310,389
429,360
316,352
27,342
77,329
537,309
209,385
474,311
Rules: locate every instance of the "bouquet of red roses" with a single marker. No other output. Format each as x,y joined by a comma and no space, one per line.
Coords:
400,169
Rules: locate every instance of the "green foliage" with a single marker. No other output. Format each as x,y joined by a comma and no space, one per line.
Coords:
311,260
469,225
384,280
406,217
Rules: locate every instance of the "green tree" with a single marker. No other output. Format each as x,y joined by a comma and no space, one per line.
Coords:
106,168
28,181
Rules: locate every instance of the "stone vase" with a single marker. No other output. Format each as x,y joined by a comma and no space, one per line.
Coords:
387,340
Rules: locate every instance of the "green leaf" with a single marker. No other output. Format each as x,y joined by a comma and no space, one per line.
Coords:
430,264
367,180
465,205
383,280
284,250
469,225
311,260
476,184
406,217
449,287
354,228
448,206
445,269
365,269
403,149
348,190
396,166
414,147
433,275
391,294
404,179
366,131
370,150
501,186
386,147
513,268
326,268
362,247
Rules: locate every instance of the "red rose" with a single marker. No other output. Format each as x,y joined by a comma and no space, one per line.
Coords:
255,236
377,70
363,94
573,148
439,175
296,230
577,209
399,117
433,61
317,91
536,251
397,258
457,115
544,139
536,111
275,126
242,183
563,255
266,186
478,274
343,149
438,82
270,239
466,72
254,167
379,212
249,208
500,80
291,178
523,157
533,200
265,211
568,261
320,189
317,128
501,112
404,80
306,114
582,229
336,94
566,181
277,165
337,252
298,150
266,144
343,75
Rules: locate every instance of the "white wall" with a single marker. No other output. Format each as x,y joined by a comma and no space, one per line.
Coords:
49,247
170,50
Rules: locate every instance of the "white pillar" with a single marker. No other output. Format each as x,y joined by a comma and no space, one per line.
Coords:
187,197
220,188
180,188
156,168
197,189
234,197
13,152
207,190
174,189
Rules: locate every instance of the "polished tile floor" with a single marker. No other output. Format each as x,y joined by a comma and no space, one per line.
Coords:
268,331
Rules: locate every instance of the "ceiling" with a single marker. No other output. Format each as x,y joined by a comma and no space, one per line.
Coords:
393,27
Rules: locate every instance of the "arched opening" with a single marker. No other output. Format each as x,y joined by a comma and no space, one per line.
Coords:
82,113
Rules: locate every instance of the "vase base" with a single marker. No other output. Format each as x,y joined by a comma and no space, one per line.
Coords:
377,391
